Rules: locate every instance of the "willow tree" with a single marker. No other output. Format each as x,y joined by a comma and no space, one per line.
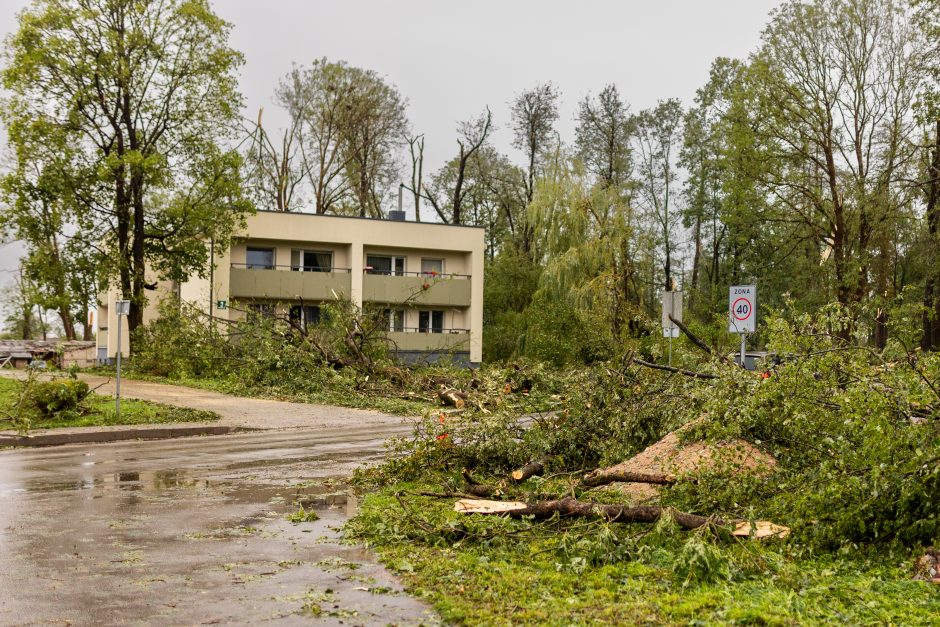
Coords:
593,250
139,98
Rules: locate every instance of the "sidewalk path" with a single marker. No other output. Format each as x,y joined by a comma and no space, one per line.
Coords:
235,413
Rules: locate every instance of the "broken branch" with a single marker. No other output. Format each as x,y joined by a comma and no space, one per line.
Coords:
529,470
688,373
603,477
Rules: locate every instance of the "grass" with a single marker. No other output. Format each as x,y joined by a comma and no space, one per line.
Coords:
98,410
485,570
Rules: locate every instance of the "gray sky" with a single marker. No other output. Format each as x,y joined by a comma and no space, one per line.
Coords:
451,59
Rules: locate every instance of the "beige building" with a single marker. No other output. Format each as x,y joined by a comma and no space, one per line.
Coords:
427,278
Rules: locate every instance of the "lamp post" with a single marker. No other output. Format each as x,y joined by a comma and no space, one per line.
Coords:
121,308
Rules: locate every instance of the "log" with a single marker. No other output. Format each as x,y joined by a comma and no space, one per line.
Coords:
612,475
688,373
452,396
529,470
569,506
476,488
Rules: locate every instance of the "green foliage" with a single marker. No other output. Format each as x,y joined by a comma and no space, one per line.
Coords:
855,433
57,398
495,570
303,515
94,410
343,360
559,334
109,160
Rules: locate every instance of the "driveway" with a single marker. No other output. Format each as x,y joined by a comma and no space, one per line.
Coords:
193,531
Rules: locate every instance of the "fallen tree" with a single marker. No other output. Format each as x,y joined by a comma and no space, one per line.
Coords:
649,514
570,506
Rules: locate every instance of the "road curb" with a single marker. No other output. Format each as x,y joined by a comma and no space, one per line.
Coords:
145,433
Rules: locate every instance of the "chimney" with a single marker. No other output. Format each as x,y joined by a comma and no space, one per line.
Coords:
398,216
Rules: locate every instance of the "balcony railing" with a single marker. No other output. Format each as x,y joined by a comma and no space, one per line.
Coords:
420,330
257,266
426,275
288,282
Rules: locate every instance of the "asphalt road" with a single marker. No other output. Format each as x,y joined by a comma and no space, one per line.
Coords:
192,531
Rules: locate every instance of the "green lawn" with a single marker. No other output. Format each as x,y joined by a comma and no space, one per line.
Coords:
98,410
494,571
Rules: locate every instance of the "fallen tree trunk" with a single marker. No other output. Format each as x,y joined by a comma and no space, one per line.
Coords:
569,506
612,475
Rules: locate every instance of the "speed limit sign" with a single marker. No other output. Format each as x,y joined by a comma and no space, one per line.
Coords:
742,309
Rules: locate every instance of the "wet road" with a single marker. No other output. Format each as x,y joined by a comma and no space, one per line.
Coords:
191,531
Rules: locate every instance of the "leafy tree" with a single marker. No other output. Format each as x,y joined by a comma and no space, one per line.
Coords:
60,269
140,98
928,21
834,82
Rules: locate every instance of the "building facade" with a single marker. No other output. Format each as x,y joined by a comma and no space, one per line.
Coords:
426,278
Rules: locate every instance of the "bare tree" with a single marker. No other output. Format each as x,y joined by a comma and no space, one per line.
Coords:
416,150
602,137
533,115
275,171
658,138
452,179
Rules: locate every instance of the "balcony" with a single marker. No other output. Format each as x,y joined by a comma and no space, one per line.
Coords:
446,290
286,283
413,340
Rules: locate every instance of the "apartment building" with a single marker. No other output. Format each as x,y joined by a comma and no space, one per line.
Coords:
427,278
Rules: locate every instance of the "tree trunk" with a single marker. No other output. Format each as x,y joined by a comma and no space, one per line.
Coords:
931,338
68,324
569,506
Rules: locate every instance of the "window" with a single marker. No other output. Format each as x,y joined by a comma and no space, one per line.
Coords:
385,264
311,261
256,311
431,321
395,319
432,267
259,258
306,315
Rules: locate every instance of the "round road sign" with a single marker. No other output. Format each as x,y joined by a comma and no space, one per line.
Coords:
742,309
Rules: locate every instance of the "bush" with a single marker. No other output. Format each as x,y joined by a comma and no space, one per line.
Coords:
57,398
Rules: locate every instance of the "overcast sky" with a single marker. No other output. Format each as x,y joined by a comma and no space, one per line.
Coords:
451,59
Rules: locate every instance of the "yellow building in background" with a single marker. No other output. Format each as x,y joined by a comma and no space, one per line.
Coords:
426,277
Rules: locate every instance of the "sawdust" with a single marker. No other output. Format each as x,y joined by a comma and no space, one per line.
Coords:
670,457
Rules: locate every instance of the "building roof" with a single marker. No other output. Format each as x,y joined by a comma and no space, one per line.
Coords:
343,217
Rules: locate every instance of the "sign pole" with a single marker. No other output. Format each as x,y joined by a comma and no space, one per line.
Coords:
117,387
121,308
742,315
672,309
